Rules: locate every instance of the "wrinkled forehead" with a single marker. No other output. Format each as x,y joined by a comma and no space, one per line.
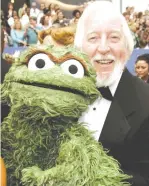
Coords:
104,23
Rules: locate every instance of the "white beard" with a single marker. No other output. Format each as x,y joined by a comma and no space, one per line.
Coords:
107,81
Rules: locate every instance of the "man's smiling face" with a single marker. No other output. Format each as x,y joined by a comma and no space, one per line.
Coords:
104,43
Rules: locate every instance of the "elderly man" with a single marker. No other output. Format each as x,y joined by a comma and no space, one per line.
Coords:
34,11
120,118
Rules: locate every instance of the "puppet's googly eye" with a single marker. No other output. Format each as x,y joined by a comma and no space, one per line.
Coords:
40,62
73,67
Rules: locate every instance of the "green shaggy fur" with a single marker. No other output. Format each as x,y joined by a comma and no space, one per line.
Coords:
42,142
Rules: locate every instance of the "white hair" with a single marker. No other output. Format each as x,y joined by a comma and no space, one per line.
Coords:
102,8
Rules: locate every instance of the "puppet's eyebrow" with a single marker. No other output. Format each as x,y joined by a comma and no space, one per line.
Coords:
69,56
57,60
31,53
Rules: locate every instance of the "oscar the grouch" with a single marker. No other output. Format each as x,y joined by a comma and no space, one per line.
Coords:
42,142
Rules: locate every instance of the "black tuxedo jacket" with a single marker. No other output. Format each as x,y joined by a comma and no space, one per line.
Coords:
126,130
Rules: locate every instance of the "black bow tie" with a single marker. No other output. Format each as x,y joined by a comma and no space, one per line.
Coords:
106,93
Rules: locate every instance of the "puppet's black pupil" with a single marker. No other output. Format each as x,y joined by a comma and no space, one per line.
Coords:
40,63
73,69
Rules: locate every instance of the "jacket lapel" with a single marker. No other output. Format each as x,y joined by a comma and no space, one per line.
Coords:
116,126
123,107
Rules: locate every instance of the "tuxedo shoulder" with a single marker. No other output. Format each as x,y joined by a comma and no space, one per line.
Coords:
141,85
142,94
135,85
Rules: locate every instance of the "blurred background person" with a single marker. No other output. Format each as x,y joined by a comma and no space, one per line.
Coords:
13,18
146,23
144,39
18,35
24,19
9,12
53,9
28,11
22,9
45,22
8,42
76,15
133,29
34,11
4,23
32,31
41,13
60,18
142,67
46,9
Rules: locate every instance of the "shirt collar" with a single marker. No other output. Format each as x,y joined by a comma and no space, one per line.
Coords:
114,86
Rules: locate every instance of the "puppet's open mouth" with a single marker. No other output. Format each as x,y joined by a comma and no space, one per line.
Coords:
54,87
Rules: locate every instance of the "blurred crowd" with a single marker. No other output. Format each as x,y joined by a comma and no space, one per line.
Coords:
22,27
139,25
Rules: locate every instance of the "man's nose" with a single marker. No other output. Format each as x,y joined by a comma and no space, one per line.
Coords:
103,46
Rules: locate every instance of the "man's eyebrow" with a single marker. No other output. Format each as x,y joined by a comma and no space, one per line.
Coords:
91,32
115,30
96,32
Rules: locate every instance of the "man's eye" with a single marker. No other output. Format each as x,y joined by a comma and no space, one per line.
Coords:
92,39
114,38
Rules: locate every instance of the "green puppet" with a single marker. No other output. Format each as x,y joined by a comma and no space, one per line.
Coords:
43,144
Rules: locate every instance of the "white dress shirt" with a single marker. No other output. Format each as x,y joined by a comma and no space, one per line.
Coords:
34,12
11,22
94,117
